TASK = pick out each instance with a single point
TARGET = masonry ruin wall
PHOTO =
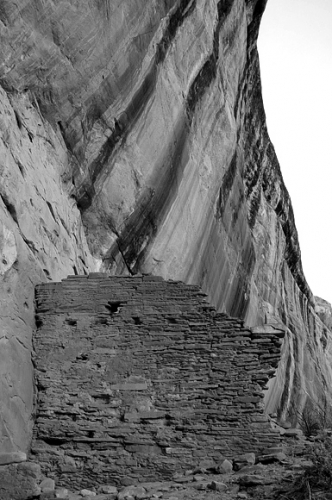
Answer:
(139, 378)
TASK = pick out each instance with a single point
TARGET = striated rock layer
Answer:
(133, 139)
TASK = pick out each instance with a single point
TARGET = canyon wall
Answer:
(133, 139)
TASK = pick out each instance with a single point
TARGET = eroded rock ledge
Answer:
(139, 378)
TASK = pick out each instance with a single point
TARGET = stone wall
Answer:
(139, 378)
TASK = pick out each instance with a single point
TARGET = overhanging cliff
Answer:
(133, 139)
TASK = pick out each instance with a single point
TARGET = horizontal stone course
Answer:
(140, 378)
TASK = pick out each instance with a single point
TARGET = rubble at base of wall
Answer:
(139, 378)
(19, 481)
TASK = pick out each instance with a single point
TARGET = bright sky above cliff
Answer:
(295, 48)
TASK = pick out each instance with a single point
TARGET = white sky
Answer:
(295, 48)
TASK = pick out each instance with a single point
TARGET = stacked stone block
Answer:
(139, 378)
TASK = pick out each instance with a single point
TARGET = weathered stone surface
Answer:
(272, 457)
(50, 495)
(12, 458)
(140, 378)
(217, 486)
(241, 461)
(106, 496)
(8, 249)
(242, 495)
(87, 493)
(47, 485)
(108, 489)
(324, 311)
(139, 127)
(225, 467)
(132, 491)
(292, 433)
(252, 480)
(41, 237)
(62, 493)
(19, 481)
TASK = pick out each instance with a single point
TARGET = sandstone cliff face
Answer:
(133, 139)
(41, 237)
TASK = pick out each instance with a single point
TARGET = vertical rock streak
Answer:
(142, 226)
(136, 106)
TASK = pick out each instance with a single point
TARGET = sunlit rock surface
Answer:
(133, 139)
(324, 311)
(41, 237)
